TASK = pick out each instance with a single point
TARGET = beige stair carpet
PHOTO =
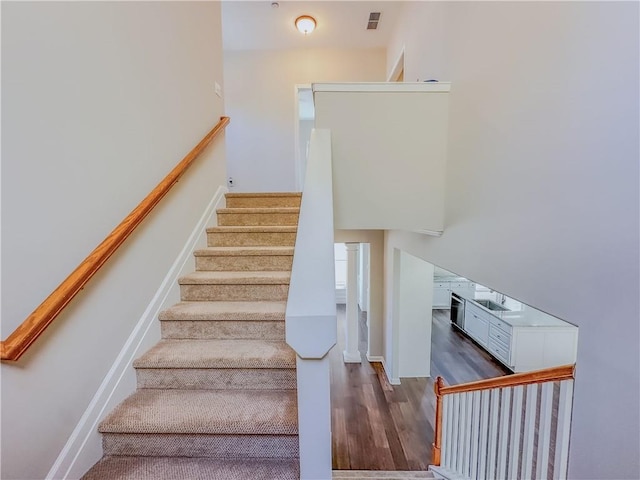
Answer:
(178, 468)
(216, 396)
(224, 320)
(380, 475)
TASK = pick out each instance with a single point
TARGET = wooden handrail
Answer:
(26, 333)
(554, 374)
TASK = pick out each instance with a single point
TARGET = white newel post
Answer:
(351, 354)
(311, 310)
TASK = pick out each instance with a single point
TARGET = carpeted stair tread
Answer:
(253, 229)
(218, 354)
(174, 468)
(196, 445)
(380, 475)
(268, 210)
(268, 311)
(236, 278)
(243, 251)
(241, 412)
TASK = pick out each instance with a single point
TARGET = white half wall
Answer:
(389, 153)
(261, 99)
(99, 101)
(542, 190)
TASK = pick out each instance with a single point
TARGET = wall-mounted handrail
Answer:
(554, 374)
(28, 331)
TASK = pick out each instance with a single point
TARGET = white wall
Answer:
(415, 299)
(419, 32)
(260, 98)
(542, 188)
(100, 101)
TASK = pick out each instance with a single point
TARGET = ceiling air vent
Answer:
(374, 18)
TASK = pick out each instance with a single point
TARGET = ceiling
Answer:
(255, 25)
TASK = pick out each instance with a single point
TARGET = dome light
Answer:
(305, 24)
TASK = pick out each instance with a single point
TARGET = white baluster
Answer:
(516, 420)
(462, 452)
(484, 430)
(445, 448)
(493, 434)
(504, 432)
(564, 426)
(475, 435)
(529, 431)
(468, 433)
(544, 430)
(455, 437)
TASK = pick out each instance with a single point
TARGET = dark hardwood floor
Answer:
(378, 426)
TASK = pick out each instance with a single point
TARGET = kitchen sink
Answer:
(491, 305)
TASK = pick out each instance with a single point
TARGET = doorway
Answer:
(397, 72)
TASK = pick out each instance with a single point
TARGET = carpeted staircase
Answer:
(216, 397)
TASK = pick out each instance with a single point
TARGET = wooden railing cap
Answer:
(553, 374)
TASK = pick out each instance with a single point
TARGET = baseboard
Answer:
(79, 452)
(392, 381)
(380, 359)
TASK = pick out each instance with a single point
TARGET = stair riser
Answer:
(209, 446)
(222, 329)
(256, 219)
(250, 239)
(217, 379)
(263, 202)
(234, 293)
(244, 263)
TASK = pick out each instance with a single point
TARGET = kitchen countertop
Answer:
(449, 278)
(527, 317)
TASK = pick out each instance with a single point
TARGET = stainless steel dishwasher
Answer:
(457, 310)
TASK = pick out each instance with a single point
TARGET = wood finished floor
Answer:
(378, 426)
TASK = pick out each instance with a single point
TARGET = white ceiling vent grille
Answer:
(374, 18)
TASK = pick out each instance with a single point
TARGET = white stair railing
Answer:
(311, 310)
(513, 427)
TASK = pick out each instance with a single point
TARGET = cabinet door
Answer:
(476, 325)
(441, 295)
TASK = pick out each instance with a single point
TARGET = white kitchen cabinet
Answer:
(442, 291)
(522, 341)
(476, 323)
(536, 347)
(466, 289)
(441, 295)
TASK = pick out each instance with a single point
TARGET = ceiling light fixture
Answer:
(305, 24)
